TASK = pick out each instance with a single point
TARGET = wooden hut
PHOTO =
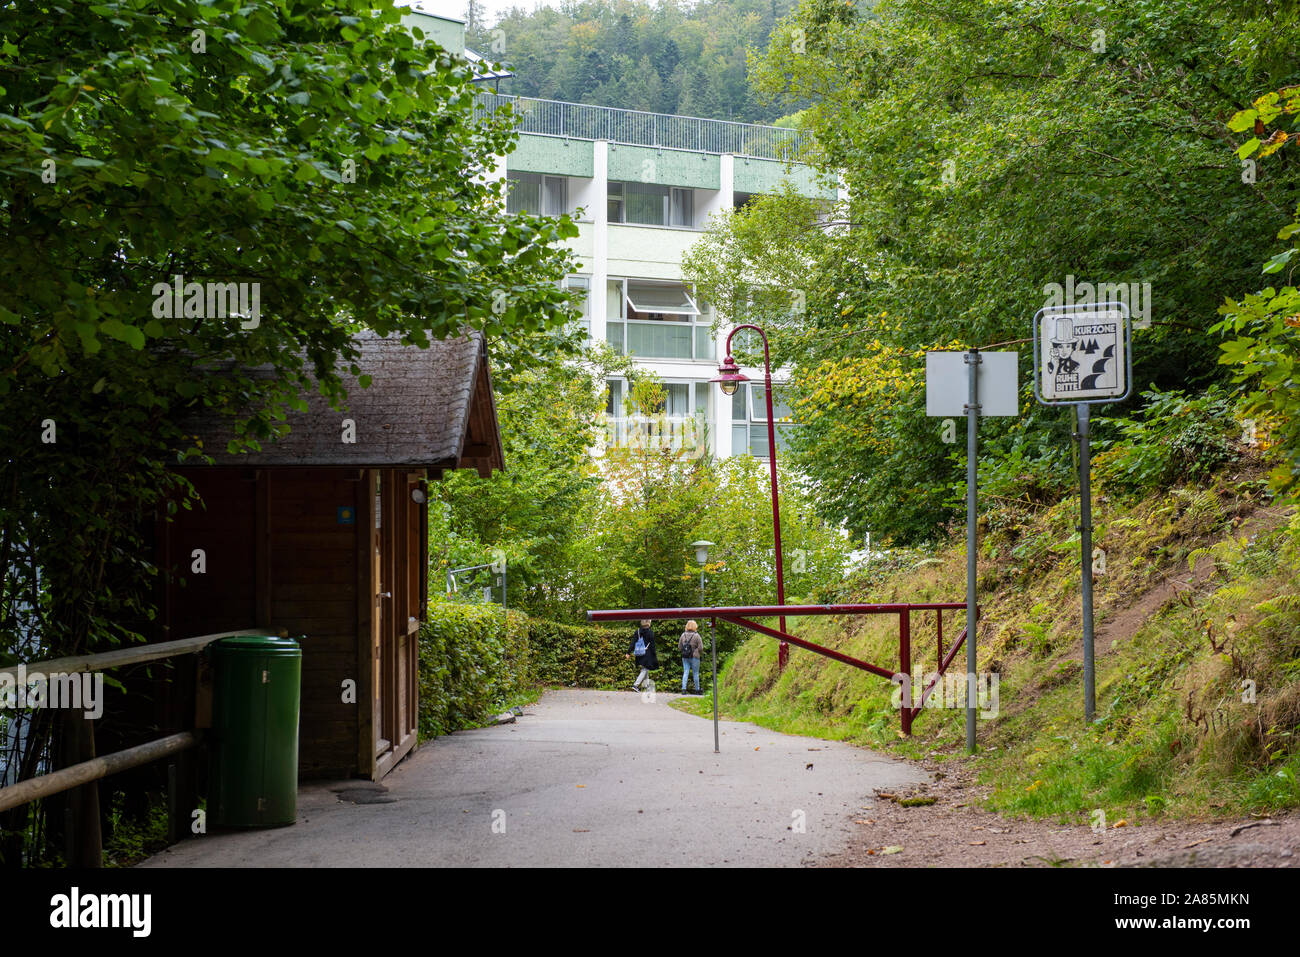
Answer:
(323, 535)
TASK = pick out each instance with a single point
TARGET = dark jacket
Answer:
(649, 660)
(696, 647)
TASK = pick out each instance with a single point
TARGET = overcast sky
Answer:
(492, 8)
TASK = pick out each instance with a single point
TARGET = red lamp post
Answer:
(729, 379)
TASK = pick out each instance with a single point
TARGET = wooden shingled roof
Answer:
(425, 408)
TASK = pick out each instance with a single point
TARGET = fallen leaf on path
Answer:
(892, 849)
(976, 843)
(1120, 823)
(581, 830)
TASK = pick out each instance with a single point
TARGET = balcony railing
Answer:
(660, 339)
(635, 128)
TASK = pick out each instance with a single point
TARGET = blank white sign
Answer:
(947, 388)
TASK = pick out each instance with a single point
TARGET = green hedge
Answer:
(474, 662)
(591, 656)
(588, 656)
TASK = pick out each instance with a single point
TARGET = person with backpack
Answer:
(643, 647)
(691, 646)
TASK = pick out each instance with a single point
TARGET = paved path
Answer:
(584, 778)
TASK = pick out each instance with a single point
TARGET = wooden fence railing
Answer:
(82, 831)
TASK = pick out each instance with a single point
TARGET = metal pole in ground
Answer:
(1085, 565)
(713, 642)
(972, 612)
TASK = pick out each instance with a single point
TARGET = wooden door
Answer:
(380, 619)
(398, 551)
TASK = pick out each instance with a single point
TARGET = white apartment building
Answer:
(642, 188)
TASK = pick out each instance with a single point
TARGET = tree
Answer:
(646, 511)
(315, 152)
(531, 514)
(1263, 328)
(597, 51)
(989, 151)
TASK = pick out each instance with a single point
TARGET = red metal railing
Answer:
(741, 615)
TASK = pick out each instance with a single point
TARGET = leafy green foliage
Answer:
(472, 658)
(315, 149)
(991, 150)
(579, 532)
(1177, 438)
(1198, 701)
(589, 656)
(1263, 328)
(530, 512)
(476, 660)
(659, 57)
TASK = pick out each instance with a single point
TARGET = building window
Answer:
(656, 319)
(680, 416)
(749, 420)
(646, 204)
(537, 194)
(582, 283)
(682, 211)
(647, 299)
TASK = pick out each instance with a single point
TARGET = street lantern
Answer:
(729, 378)
(701, 551)
(729, 375)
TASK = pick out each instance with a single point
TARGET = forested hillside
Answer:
(667, 57)
(998, 156)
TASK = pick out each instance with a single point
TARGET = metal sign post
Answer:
(991, 388)
(972, 611)
(1083, 354)
(713, 643)
(1085, 549)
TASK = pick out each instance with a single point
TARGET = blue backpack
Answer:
(640, 648)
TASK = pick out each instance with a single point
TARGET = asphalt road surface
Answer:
(584, 778)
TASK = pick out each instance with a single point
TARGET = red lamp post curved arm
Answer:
(784, 651)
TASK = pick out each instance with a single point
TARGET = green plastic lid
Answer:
(259, 644)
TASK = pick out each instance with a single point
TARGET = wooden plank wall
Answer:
(223, 598)
(313, 592)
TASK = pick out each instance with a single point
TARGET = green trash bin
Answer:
(254, 741)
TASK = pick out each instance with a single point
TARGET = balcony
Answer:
(656, 339)
(635, 128)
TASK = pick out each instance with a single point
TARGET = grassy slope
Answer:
(1175, 643)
